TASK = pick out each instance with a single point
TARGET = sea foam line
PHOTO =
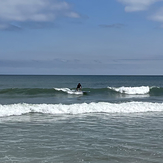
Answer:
(100, 107)
(132, 90)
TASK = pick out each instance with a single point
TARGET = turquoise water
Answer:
(118, 119)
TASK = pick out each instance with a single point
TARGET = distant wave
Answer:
(84, 108)
(37, 91)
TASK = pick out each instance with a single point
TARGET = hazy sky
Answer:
(104, 37)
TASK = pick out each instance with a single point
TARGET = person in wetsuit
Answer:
(78, 87)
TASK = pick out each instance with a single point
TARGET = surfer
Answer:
(78, 87)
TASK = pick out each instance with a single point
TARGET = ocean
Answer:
(114, 119)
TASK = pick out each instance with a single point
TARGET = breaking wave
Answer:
(132, 90)
(142, 90)
(84, 108)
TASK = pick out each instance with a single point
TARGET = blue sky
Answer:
(76, 37)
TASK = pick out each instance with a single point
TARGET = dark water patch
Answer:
(27, 91)
(156, 91)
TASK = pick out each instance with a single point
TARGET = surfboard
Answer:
(85, 92)
(82, 92)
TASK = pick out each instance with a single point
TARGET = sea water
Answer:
(115, 119)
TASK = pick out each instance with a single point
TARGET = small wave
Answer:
(132, 90)
(69, 91)
(101, 107)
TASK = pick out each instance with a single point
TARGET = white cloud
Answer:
(137, 5)
(33, 10)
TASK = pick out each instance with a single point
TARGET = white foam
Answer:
(101, 107)
(69, 91)
(132, 90)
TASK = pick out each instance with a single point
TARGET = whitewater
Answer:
(84, 108)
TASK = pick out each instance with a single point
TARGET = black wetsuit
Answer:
(78, 86)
